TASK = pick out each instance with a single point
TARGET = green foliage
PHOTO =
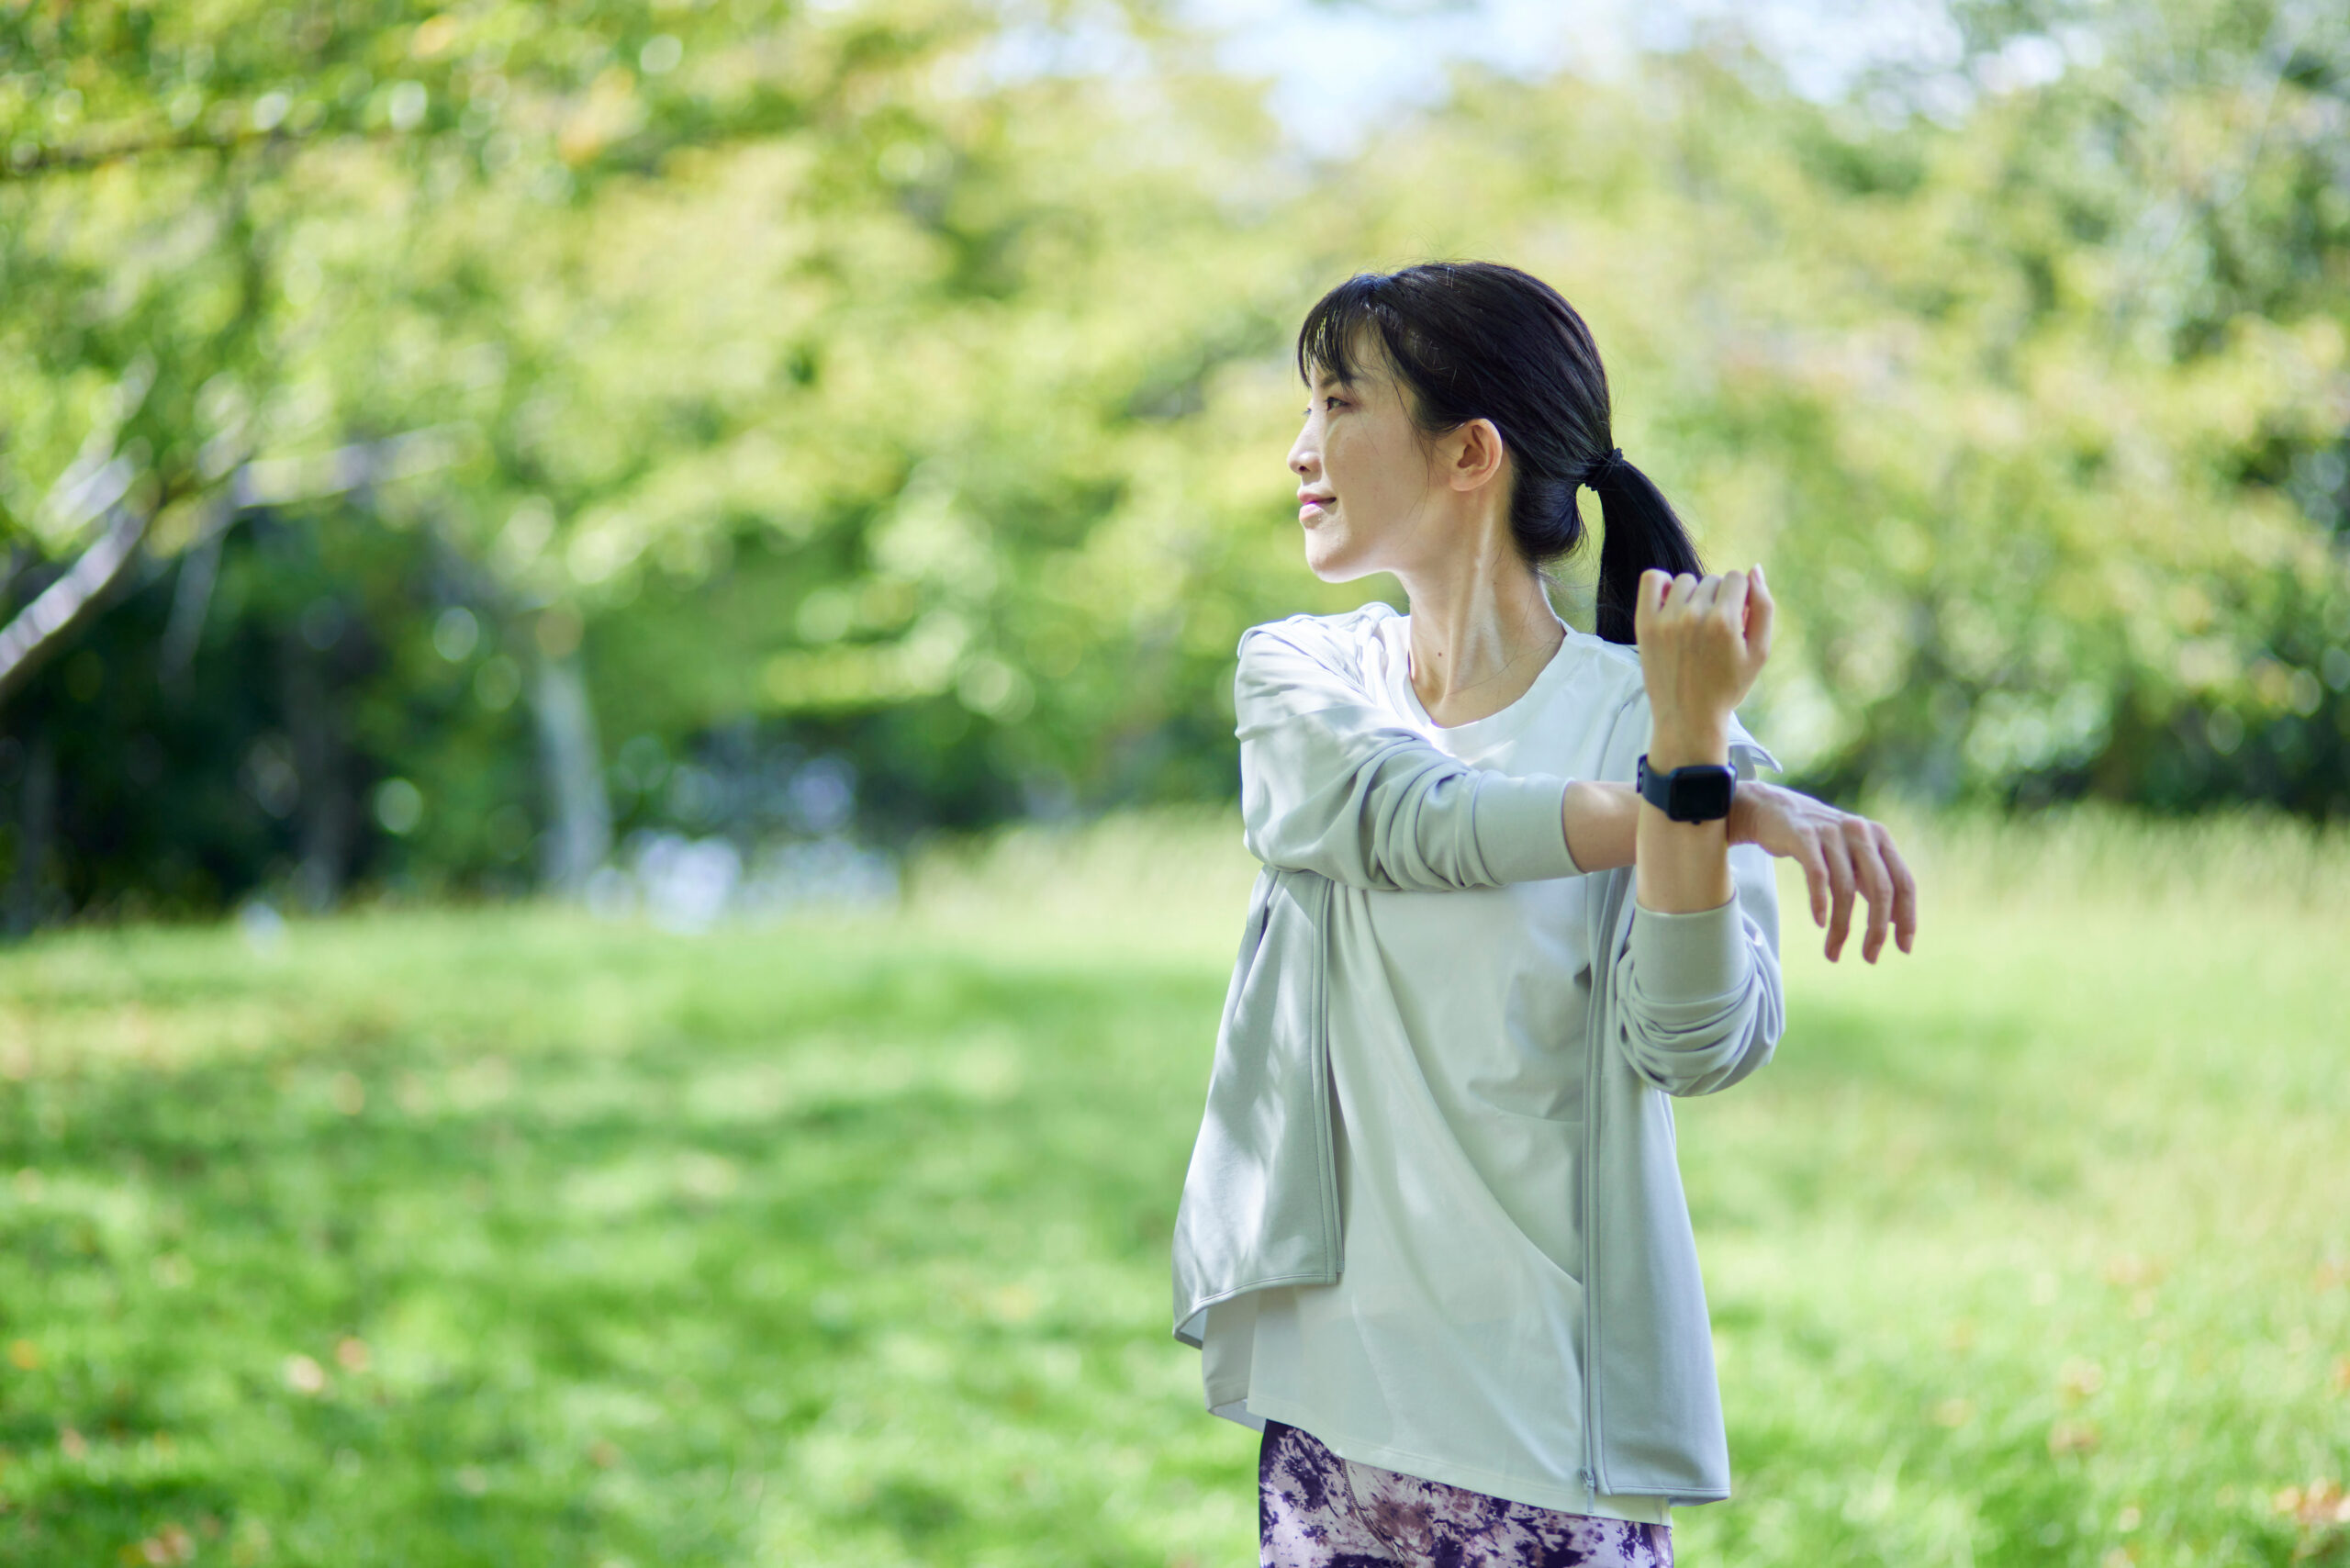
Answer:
(512, 1236)
(862, 378)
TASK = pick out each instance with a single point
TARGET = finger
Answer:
(1702, 591)
(1648, 598)
(1760, 613)
(1815, 876)
(1680, 590)
(1876, 884)
(1905, 891)
(1729, 596)
(1840, 881)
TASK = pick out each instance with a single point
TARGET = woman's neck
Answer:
(1482, 629)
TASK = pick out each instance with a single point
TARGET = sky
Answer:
(1335, 69)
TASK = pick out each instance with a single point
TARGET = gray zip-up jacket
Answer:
(1333, 790)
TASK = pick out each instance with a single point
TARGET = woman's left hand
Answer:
(1841, 854)
(1702, 642)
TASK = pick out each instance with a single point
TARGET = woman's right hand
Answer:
(1702, 641)
(1845, 859)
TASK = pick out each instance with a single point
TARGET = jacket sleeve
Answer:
(1330, 784)
(1699, 995)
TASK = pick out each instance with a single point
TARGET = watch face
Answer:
(1700, 794)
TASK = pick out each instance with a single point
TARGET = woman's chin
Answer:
(1329, 560)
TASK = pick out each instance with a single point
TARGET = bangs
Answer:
(1326, 341)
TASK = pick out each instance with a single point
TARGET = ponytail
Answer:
(1475, 339)
(1638, 531)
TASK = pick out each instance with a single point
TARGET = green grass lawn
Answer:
(510, 1237)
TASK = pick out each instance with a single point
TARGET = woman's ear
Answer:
(1474, 454)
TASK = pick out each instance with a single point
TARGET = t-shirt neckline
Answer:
(1501, 724)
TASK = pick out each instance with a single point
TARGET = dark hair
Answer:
(1476, 340)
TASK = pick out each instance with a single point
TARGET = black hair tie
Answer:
(1601, 470)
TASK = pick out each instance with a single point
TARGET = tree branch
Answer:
(97, 152)
(44, 625)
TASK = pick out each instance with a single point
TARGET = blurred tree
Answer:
(2053, 487)
(904, 384)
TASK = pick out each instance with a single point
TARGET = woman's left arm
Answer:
(1698, 1000)
(1698, 981)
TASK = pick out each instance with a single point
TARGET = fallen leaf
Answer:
(2318, 1503)
(2079, 1378)
(2072, 1436)
(303, 1375)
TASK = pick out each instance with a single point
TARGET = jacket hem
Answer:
(1568, 1497)
(1187, 1324)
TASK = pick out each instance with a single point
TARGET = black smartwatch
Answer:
(1698, 793)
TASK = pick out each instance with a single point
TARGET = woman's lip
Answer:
(1310, 507)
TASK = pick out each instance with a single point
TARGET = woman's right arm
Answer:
(1331, 783)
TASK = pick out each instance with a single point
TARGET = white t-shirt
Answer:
(1448, 1349)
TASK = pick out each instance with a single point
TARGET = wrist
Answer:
(1739, 825)
(1750, 811)
(1682, 742)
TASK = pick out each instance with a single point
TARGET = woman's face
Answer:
(1366, 476)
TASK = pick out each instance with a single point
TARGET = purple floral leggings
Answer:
(1316, 1510)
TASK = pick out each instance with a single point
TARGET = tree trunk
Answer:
(579, 834)
(36, 829)
(191, 599)
(323, 816)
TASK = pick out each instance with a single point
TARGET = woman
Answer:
(1433, 1239)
